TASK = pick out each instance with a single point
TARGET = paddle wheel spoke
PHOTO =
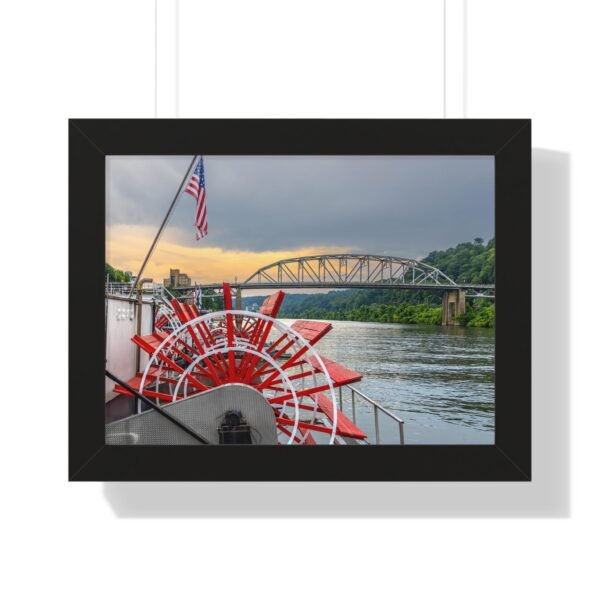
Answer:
(262, 331)
(277, 354)
(248, 361)
(287, 432)
(300, 393)
(305, 426)
(286, 365)
(298, 364)
(212, 367)
(309, 407)
(293, 377)
(160, 355)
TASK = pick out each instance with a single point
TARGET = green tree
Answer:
(115, 275)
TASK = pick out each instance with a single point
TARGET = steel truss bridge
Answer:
(330, 271)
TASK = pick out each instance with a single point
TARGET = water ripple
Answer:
(433, 377)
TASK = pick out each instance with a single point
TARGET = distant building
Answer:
(177, 279)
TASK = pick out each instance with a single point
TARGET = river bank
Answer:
(479, 314)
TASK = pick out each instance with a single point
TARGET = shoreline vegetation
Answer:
(479, 313)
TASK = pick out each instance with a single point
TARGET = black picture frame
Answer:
(508, 140)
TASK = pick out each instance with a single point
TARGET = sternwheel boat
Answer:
(238, 377)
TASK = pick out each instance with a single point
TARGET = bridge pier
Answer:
(453, 306)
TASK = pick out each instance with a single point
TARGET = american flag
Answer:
(198, 297)
(196, 188)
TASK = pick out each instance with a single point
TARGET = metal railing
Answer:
(377, 408)
(113, 288)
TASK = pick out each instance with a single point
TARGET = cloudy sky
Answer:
(263, 209)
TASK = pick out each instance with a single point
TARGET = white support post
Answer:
(166, 58)
(455, 59)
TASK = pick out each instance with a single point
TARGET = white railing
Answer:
(377, 408)
(113, 288)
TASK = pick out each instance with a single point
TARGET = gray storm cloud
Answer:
(403, 206)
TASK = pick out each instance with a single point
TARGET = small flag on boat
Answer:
(198, 297)
(196, 188)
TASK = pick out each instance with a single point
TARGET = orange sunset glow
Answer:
(126, 246)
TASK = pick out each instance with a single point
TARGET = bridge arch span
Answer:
(349, 270)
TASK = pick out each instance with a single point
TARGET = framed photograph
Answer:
(300, 300)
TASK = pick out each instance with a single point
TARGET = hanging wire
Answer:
(155, 59)
(177, 59)
(444, 34)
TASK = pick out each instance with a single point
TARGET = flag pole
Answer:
(138, 278)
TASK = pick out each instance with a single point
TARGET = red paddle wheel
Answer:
(191, 354)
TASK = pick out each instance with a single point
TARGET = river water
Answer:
(440, 380)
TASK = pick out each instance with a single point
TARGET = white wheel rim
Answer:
(244, 346)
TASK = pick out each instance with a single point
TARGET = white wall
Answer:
(121, 325)
(380, 58)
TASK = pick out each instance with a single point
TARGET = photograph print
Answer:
(300, 300)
